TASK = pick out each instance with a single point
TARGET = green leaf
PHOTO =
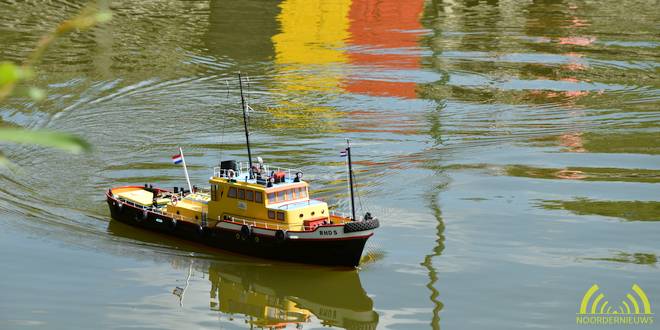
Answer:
(64, 141)
(9, 73)
(87, 18)
(36, 93)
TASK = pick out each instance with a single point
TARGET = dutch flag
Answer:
(343, 153)
(177, 159)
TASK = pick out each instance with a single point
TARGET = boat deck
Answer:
(195, 203)
(243, 175)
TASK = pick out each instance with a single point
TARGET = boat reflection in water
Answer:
(269, 295)
(291, 295)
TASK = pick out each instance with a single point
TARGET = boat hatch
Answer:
(137, 196)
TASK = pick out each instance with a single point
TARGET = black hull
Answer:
(329, 252)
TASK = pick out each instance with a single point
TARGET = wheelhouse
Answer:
(277, 200)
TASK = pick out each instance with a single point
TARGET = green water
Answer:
(509, 148)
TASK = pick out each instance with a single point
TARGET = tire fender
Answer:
(246, 232)
(281, 235)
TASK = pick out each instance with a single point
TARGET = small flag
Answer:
(343, 153)
(177, 159)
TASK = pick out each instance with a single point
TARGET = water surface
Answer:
(510, 149)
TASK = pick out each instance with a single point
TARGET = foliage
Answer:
(45, 138)
(12, 75)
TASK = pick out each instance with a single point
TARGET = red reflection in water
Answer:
(577, 41)
(382, 88)
(572, 72)
(575, 65)
(383, 31)
(572, 141)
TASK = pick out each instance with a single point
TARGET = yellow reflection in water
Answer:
(309, 55)
(312, 32)
(278, 296)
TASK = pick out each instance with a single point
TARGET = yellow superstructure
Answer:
(283, 206)
(193, 207)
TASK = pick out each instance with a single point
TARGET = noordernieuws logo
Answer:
(635, 309)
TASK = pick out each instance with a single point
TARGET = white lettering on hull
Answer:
(320, 233)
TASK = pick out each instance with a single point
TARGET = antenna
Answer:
(224, 122)
(350, 176)
(248, 93)
(245, 124)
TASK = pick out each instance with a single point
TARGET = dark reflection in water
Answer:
(433, 201)
(626, 210)
(585, 173)
(631, 258)
(268, 294)
(637, 143)
(229, 24)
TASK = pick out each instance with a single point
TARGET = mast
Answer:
(350, 177)
(247, 133)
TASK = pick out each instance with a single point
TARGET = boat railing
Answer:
(267, 225)
(267, 170)
(245, 221)
(339, 215)
(221, 172)
(150, 209)
(244, 168)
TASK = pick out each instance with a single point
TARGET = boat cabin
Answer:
(273, 199)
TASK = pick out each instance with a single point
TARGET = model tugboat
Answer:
(252, 209)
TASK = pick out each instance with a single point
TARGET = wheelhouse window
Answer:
(271, 214)
(218, 192)
(280, 216)
(258, 197)
(241, 194)
(232, 192)
(249, 195)
(286, 195)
